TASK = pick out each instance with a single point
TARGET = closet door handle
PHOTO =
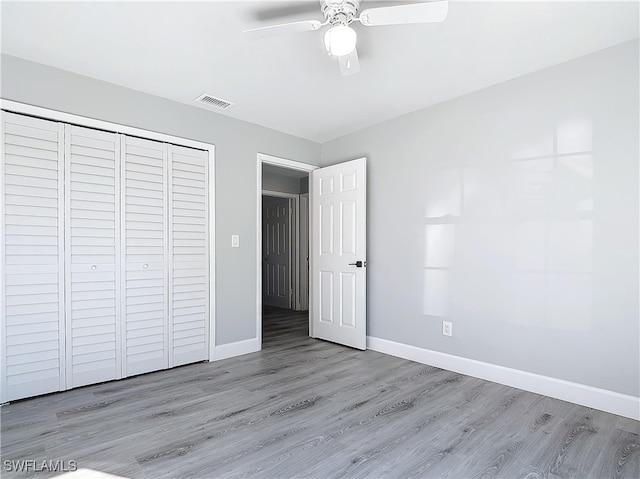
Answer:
(94, 267)
(145, 266)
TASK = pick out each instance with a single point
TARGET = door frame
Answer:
(261, 159)
(303, 234)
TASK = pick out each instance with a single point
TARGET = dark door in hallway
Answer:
(276, 251)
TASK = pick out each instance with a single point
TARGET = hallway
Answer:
(283, 326)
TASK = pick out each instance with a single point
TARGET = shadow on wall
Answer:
(512, 240)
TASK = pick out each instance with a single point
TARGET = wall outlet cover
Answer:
(447, 328)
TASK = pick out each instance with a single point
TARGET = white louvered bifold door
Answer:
(189, 261)
(32, 277)
(92, 165)
(145, 258)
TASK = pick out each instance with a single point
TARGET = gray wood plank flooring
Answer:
(308, 408)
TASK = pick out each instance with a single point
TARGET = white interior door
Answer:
(32, 254)
(145, 244)
(339, 253)
(276, 253)
(92, 166)
(189, 259)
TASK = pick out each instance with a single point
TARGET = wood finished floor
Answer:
(308, 408)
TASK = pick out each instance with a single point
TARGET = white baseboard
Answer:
(230, 350)
(602, 399)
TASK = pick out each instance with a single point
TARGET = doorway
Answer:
(283, 255)
(337, 241)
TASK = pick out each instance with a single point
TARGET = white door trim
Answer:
(3, 336)
(212, 254)
(283, 162)
(303, 266)
(280, 194)
(276, 161)
(46, 113)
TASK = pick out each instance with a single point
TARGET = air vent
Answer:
(213, 102)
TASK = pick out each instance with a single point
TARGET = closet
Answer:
(105, 256)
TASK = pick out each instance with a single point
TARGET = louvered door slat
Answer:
(31, 251)
(92, 255)
(144, 248)
(189, 300)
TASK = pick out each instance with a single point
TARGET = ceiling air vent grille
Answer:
(213, 102)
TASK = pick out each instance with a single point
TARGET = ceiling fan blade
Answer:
(349, 64)
(284, 28)
(429, 12)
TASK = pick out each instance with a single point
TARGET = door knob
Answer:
(358, 264)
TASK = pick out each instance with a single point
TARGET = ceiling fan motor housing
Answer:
(340, 11)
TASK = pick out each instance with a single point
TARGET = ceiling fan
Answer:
(340, 39)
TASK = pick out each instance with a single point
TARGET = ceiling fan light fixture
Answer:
(340, 40)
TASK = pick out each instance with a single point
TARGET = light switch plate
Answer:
(235, 241)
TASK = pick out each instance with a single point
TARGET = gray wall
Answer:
(280, 183)
(237, 144)
(304, 185)
(513, 212)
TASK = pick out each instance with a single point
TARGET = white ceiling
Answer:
(179, 50)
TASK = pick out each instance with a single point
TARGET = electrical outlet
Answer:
(235, 241)
(447, 328)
